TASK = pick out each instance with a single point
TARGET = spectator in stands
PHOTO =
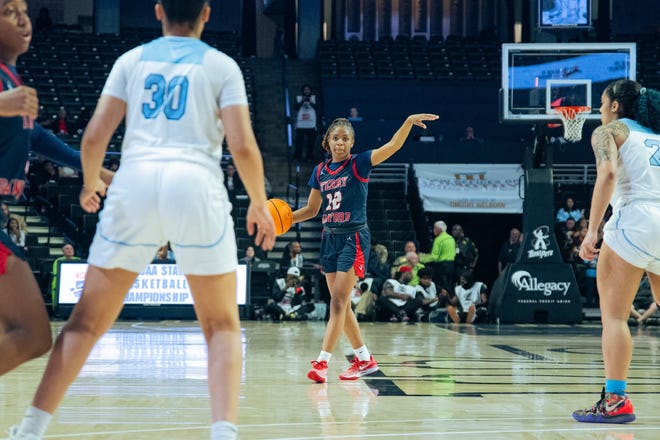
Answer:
(59, 125)
(234, 187)
(354, 115)
(292, 256)
(378, 268)
(45, 174)
(412, 258)
(306, 125)
(164, 255)
(250, 257)
(467, 253)
(644, 305)
(469, 297)
(363, 301)
(289, 299)
(469, 137)
(584, 223)
(575, 245)
(4, 215)
(401, 260)
(68, 254)
(569, 210)
(15, 232)
(564, 233)
(232, 180)
(643, 314)
(441, 258)
(43, 23)
(431, 300)
(398, 301)
(509, 250)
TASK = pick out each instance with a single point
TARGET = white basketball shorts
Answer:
(151, 203)
(633, 233)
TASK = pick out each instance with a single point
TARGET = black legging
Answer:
(387, 309)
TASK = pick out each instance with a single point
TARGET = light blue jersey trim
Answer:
(203, 246)
(174, 50)
(636, 126)
(637, 247)
(194, 246)
(124, 243)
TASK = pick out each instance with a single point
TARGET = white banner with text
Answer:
(159, 284)
(481, 188)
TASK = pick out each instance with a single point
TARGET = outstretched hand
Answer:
(420, 117)
(260, 218)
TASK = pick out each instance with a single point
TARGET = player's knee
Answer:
(338, 304)
(211, 326)
(36, 339)
(85, 327)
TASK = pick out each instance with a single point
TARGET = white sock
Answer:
(35, 422)
(324, 356)
(362, 353)
(223, 430)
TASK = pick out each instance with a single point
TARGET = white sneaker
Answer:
(14, 435)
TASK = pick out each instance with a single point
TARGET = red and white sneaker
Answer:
(319, 372)
(360, 368)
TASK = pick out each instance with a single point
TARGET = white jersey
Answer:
(173, 88)
(429, 292)
(397, 287)
(469, 296)
(638, 170)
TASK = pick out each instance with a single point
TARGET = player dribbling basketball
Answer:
(339, 186)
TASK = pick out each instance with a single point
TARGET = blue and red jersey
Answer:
(343, 187)
(14, 141)
(18, 135)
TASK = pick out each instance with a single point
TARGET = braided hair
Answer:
(636, 102)
(339, 122)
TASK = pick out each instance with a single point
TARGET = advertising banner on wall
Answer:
(536, 293)
(158, 285)
(481, 188)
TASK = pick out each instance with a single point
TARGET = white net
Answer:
(573, 119)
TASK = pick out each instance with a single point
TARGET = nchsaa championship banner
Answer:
(483, 188)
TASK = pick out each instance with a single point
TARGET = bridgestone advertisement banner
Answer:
(481, 188)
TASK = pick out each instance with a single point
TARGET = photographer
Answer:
(306, 125)
(289, 300)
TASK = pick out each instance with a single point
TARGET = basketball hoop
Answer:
(573, 117)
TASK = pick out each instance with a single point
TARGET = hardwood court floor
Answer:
(146, 380)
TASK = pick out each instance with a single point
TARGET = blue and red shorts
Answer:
(342, 250)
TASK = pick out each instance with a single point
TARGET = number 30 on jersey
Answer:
(170, 97)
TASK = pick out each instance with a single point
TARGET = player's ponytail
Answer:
(648, 109)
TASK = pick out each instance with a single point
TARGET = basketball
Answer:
(282, 215)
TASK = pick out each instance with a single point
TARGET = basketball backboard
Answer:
(539, 77)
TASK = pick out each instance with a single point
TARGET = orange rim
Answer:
(571, 111)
